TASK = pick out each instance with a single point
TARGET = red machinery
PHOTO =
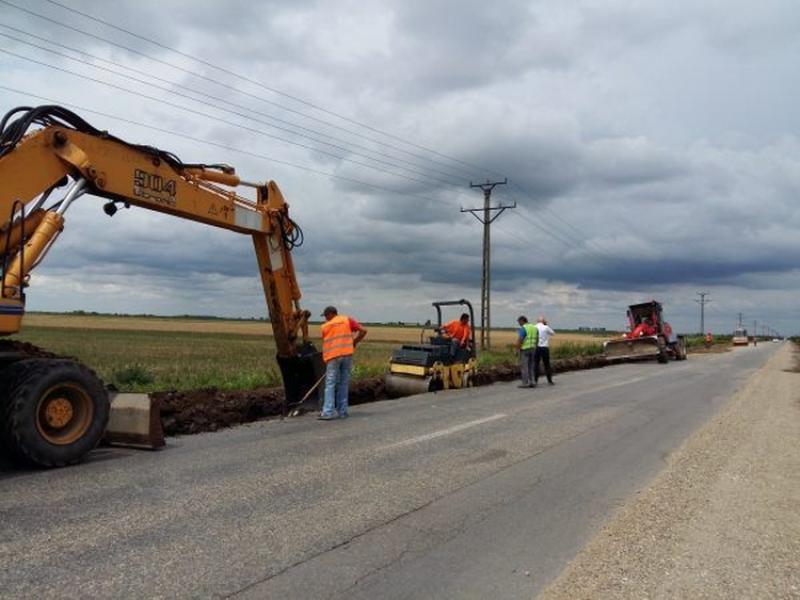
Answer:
(649, 336)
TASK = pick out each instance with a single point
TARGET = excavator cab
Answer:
(433, 366)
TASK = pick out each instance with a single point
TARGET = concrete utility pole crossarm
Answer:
(490, 213)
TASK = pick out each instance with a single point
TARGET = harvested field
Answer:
(377, 333)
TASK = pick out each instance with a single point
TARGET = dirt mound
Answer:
(211, 409)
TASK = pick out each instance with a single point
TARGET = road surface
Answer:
(478, 493)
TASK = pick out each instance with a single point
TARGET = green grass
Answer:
(700, 340)
(146, 361)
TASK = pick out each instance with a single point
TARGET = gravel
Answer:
(722, 519)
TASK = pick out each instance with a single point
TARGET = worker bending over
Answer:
(340, 336)
(459, 332)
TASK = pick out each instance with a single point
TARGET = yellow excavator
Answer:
(53, 410)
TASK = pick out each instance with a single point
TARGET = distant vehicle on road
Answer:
(740, 337)
(776, 339)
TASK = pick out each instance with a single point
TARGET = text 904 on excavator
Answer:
(54, 410)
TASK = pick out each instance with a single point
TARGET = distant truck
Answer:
(650, 336)
(740, 337)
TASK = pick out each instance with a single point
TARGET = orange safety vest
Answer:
(337, 338)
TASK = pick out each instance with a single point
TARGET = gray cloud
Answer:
(651, 149)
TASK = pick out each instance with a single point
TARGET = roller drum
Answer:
(398, 386)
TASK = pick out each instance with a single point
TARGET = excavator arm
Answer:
(65, 152)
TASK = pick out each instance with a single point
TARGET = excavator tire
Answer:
(52, 411)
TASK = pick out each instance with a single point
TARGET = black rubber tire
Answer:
(22, 384)
(662, 355)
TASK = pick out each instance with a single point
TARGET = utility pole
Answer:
(490, 213)
(740, 320)
(755, 328)
(702, 302)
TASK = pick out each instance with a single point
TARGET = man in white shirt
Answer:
(543, 351)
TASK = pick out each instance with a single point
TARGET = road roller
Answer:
(435, 365)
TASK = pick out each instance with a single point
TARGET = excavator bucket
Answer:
(134, 421)
(302, 378)
(633, 349)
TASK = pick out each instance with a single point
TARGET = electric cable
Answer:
(208, 116)
(222, 146)
(247, 79)
(234, 89)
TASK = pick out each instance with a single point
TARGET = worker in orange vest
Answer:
(709, 340)
(459, 332)
(340, 336)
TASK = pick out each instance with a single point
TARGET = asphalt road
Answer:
(478, 493)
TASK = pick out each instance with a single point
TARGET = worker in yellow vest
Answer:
(340, 336)
(527, 339)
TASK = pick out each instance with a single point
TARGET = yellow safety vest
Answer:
(531, 337)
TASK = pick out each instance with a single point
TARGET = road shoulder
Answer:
(721, 520)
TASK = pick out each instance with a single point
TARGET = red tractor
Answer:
(649, 336)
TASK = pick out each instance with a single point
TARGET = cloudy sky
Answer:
(652, 149)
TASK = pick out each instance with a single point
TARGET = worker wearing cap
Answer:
(459, 332)
(340, 336)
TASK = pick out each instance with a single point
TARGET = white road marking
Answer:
(443, 432)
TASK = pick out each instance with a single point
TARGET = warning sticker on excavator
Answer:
(275, 255)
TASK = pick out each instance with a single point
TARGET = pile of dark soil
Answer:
(24, 350)
(212, 409)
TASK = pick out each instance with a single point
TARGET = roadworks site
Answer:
(209, 410)
(187, 412)
(199, 411)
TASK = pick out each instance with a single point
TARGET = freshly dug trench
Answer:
(211, 409)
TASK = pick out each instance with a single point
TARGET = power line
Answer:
(218, 107)
(219, 145)
(236, 75)
(222, 108)
(149, 82)
(255, 82)
(209, 116)
(274, 90)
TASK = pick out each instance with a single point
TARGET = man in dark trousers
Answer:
(527, 338)
(543, 351)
